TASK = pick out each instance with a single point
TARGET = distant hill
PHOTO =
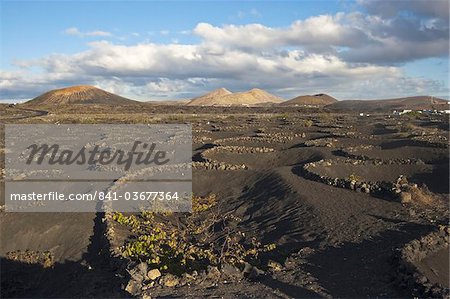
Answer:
(320, 99)
(210, 98)
(81, 94)
(224, 97)
(168, 102)
(413, 103)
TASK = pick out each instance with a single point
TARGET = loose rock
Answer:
(153, 274)
(169, 280)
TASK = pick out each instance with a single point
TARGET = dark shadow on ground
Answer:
(94, 277)
(206, 146)
(364, 269)
(436, 181)
(63, 280)
(380, 129)
(404, 142)
(385, 219)
(287, 289)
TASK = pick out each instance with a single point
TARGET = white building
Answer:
(395, 112)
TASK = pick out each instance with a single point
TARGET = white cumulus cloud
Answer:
(349, 55)
(95, 33)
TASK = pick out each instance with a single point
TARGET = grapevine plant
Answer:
(183, 242)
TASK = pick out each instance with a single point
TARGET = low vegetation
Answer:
(354, 177)
(181, 243)
(308, 123)
(45, 258)
(412, 114)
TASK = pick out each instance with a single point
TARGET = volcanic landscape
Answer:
(293, 199)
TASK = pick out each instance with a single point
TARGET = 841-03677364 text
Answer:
(102, 196)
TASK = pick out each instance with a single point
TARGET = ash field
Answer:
(289, 202)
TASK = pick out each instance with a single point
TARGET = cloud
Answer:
(357, 37)
(397, 40)
(96, 33)
(350, 55)
(241, 14)
(151, 70)
(24, 84)
(73, 31)
(424, 8)
(186, 61)
(324, 31)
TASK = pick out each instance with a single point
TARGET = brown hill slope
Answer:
(209, 98)
(223, 97)
(81, 94)
(320, 99)
(414, 103)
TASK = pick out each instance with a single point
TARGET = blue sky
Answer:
(48, 20)
(150, 50)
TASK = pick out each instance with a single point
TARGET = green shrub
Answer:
(308, 123)
(180, 243)
(354, 177)
(412, 114)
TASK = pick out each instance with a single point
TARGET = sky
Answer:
(168, 50)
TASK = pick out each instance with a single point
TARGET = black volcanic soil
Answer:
(435, 267)
(415, 103)
(331, 242)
